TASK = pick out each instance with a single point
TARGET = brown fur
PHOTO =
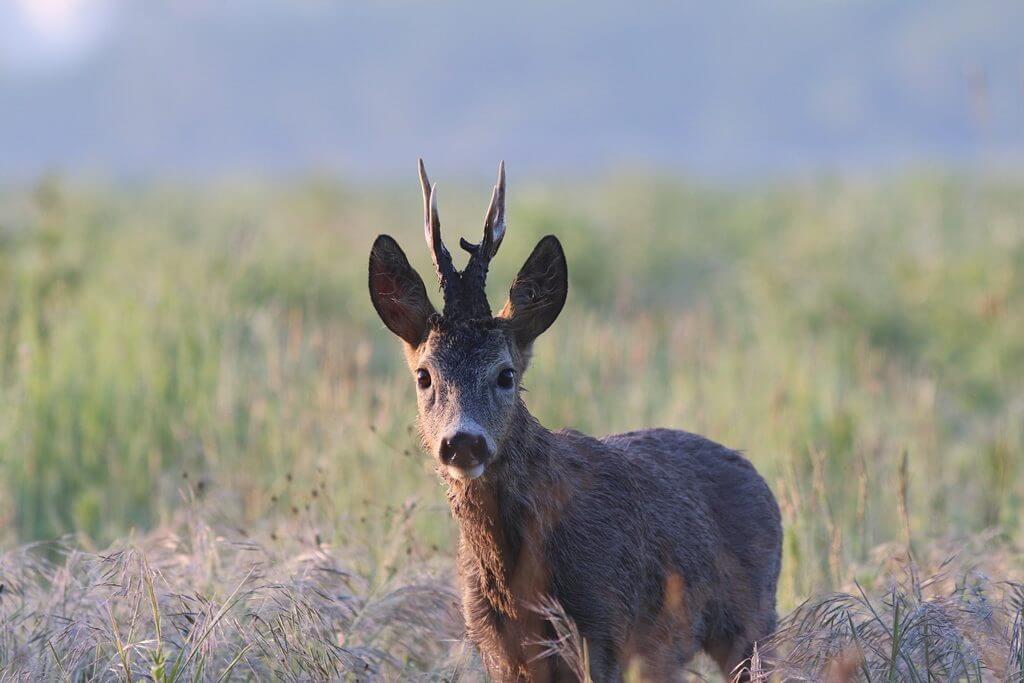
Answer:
(656, 543)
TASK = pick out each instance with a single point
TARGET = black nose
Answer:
(464, 450)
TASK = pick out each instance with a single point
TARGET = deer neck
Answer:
(504, 517)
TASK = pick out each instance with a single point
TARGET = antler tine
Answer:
(495, 221)
(446, 274)
(425, 186)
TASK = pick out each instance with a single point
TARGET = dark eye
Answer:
(423, 379)
(507, 378)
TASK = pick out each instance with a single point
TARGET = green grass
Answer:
(158, 342)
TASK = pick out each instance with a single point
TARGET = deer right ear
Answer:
(398, 293)
(538, 293)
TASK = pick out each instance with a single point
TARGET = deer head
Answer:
(467, 364)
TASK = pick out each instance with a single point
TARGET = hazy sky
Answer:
(153, 88)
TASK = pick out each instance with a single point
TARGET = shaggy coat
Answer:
(656, 543)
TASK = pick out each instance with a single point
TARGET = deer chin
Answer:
(467, 474)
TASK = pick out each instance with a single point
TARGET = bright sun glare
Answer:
(52, 31)
(53, 18)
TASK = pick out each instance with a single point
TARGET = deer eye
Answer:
(507, 378)
(422, 379)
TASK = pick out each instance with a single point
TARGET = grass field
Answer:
(192, 372)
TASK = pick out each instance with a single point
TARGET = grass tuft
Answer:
(194, 603)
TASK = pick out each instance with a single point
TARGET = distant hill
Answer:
(361, 88)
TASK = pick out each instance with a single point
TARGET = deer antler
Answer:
(464, 293)
(480, 255)
(447, 276)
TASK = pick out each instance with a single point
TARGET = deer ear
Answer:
(398, 293)
(538, 292)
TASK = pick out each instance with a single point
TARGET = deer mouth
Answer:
(466, 473)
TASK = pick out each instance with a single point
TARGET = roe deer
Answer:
(657, 543)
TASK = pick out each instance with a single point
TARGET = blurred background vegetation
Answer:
(795, 227)
(861, 340)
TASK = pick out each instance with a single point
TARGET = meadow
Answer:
(208, 466)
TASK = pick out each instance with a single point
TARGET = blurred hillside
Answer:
(724, 89)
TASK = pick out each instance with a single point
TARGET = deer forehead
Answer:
(466, 351)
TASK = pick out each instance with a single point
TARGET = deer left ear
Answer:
(538, 292)
(398, 293)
